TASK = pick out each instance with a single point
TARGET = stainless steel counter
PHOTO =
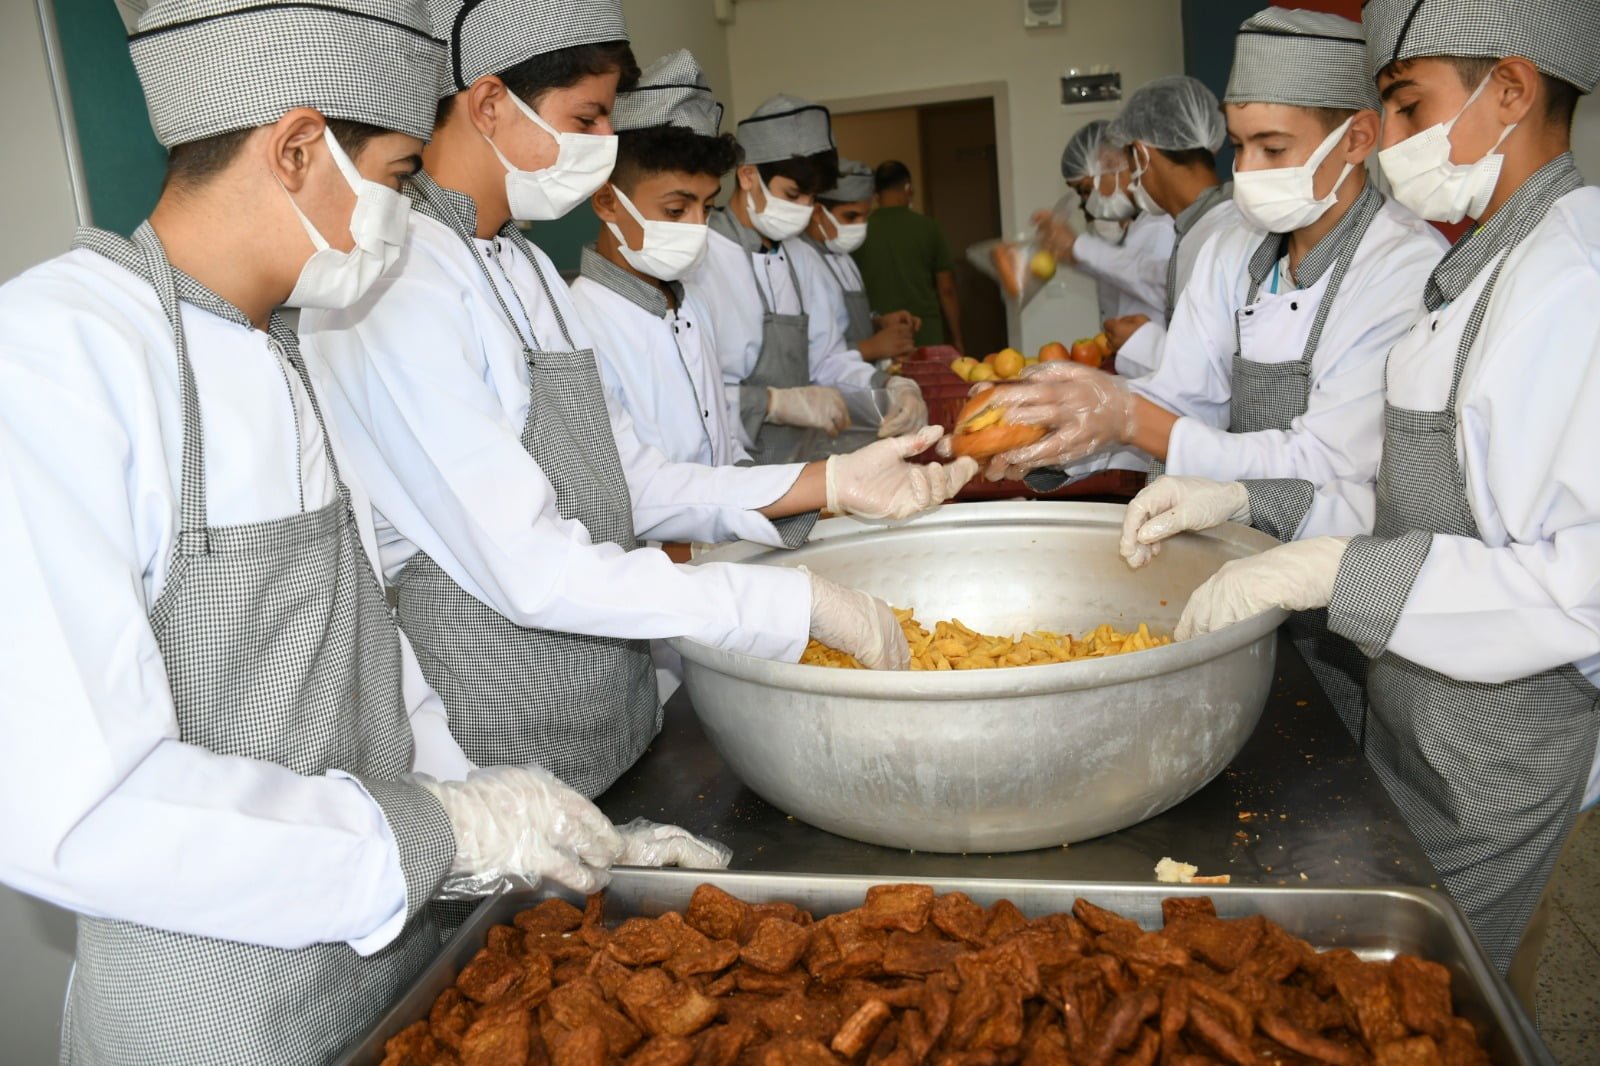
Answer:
(1297, 806)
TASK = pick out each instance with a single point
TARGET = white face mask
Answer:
(583, 164)
(671, 249)
(1108, 229)
(333, 279)
(1136, 188)
(1115, 207)
(1423, 178)
(1284, 199)
(847, 238)
(780, 219)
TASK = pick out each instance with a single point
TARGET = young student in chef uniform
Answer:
(1171, 130)
(1124, 250)
(513, 492)
(838, 227)
(1475, 594)
(784, 358)
(214, 734)
(1279, 340)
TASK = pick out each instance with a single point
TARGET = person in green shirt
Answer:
(906, 261)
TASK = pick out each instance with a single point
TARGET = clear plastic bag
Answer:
(1016, 263)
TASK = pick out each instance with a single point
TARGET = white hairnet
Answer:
(1175, 114)
(1081, 158)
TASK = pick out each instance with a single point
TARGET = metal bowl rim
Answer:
(980, 684)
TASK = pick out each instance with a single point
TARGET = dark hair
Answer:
(890, 174)
(671, 149)
(531, 79)
(1560, 97)
(1191, 157)
(194, 163)
(1332, 118)
(814, 174)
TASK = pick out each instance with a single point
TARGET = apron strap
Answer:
(1469, 336)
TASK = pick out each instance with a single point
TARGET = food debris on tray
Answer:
(1172, 872)
(914, 977)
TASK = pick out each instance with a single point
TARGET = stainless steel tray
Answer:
(1376, 923)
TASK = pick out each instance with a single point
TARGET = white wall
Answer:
(661, 26)
(36, 210)
(848, 51)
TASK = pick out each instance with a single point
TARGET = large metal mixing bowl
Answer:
(994, 760)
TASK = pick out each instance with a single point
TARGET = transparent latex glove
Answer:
(878, 482)
(519, 825)
(907, 410)
(809, 407)
(1056, 235)
(1085, 411)
(1173, 505)
(647, 843)
(1297, 576)
(858, 624)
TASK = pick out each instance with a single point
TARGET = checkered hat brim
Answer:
(1302, 58)
(785, 128)
(1561, 37)
(215, 66)
(855, 184)
(492, 36)
(672, 91)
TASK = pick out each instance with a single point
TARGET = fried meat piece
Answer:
(899, 995)
(694, 952)
(761, 983)
(957, 916)
(859, 950)
(1143, 1052)
(758, 912)
(715, 913)
(549, 916)
(1423, 991)
(641, 942)
(452, 1014)
(1369, 997)
(412, 1046)
(506, 940)
(490, 977)
(859, 1031)
(776, 945)
(796, 1051)
(798, 1015)
(664, 1007)
(1412, 1051)
(1176, 907)
(1216, 1033)
(1102, 921)
(721, 1045)
(987, 1013)
(1004, 920)
(1147, 954)
(580, 1047)
(500, 1036)
(903, 907)
(1120, 1023)
(581, 1004)
(663, 1051)
(1312, 1045)
(1222, 945)
(1460, 1045)
(919, 954)
(608, 973)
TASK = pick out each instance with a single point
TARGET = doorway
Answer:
(950, 149)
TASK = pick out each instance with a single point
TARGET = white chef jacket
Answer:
(1339, 438)
(426, 384)
(1143, 352)
(724, 281)
(1523, 596)
(663, 370)
(111, 815)
(1134, 271)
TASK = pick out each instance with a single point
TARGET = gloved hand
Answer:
(647, 843)
(1297, 576)
(907, 409)
(1056, 235)
(893, 340)
(1173, 505)
(911, 321)
(857, 624)
(1086, 411)
(877, 482)
(809, 407)
(519, 825)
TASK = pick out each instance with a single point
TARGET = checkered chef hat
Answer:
(854, 186)
(1303, 58)
(1560, 37)
(672, 91)
(492, 36)
(785, 128)
(215, 66)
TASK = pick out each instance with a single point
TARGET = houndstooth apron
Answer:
(784, 362)
(278, 646)
(1270, 396)
(583, 707)
(858, 308)
(1488, 776)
